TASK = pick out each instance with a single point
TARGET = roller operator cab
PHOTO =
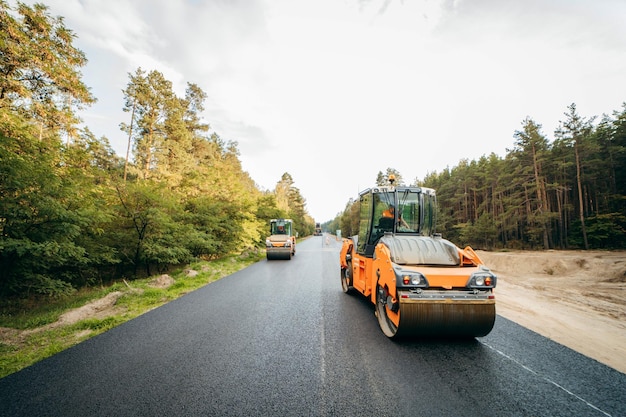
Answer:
(420, 283)
(281, 243)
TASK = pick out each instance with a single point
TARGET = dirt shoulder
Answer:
(576, 298)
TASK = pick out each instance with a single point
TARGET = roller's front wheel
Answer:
(346, 279)
(388, 313)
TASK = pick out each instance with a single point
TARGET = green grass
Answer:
(31, 313)
(37, 342)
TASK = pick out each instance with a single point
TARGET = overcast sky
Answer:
(334, 91)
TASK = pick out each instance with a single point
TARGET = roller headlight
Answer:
(412, 279)
(482, 279)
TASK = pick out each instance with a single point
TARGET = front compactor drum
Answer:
(450, 318)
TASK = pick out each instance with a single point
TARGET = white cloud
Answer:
(335, 91)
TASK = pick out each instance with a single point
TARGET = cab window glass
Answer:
(364, 223)
(409, 212)
(429, 206)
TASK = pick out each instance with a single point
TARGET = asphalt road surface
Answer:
(280, 338)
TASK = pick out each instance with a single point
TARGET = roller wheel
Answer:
(346, 279)
(383, 311)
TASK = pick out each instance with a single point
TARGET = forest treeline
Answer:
(564, 193)
(73, 213)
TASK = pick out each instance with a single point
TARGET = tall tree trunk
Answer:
(560, 227)
(147, 162)
(130, 135)
(540, 197)
(581, 210)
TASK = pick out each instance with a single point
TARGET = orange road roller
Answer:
(420, 283)
(281, 243)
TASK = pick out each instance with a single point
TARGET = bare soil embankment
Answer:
(576, 298)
